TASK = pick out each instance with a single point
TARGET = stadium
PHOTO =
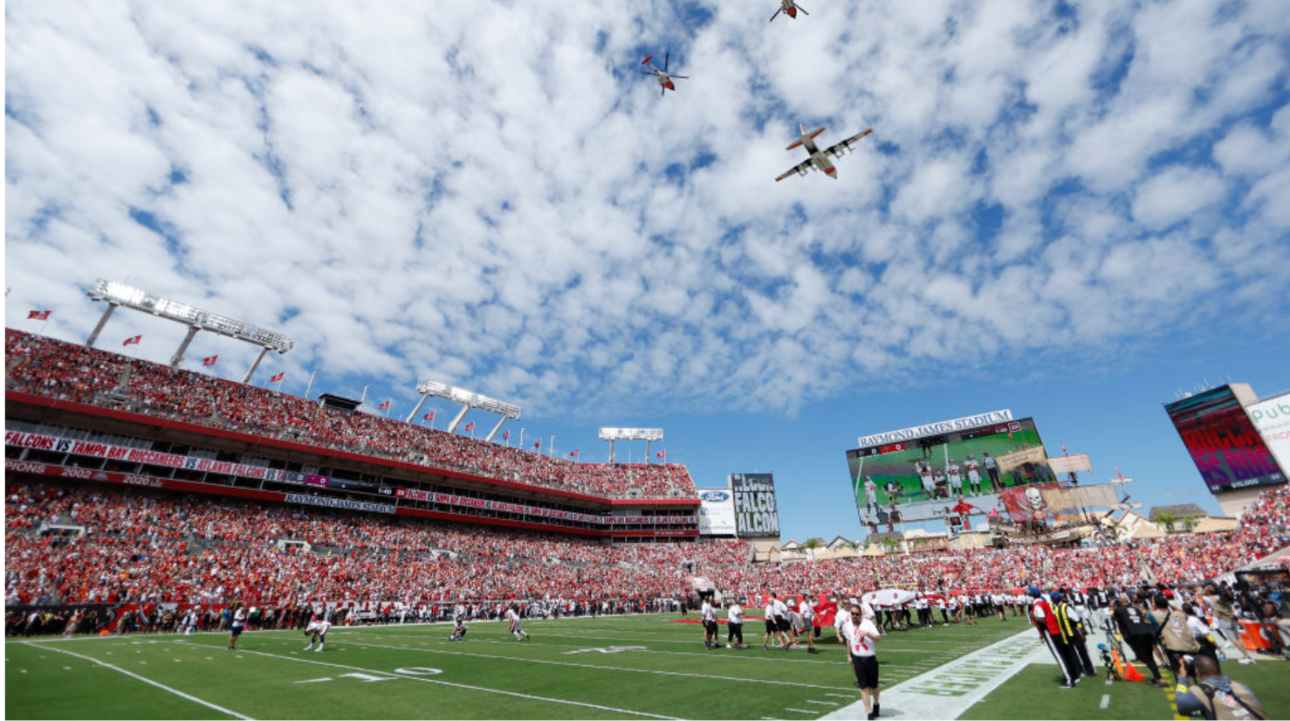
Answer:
(301, 296)
(145, 505)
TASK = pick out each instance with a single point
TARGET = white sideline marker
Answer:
(1106, 700)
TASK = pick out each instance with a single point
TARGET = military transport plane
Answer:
(789, 8)
(664, 80)
(819, 159)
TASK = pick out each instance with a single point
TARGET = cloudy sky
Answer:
(1074, 209)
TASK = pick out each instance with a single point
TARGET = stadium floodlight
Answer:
(468, 400)
(631, 434)
(119, 294)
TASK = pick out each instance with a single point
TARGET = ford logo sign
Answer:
(714, 496)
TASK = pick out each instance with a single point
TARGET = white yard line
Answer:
(148, 681)
(520, 659)
(949, 690)
(436, 682)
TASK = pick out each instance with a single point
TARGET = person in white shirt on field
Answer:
(774, 629)
(807, 614)
(238, 624)
(317, 633)
(513, 624)
(709, 616)
(735, 626)
(863, 648)
(952, 472)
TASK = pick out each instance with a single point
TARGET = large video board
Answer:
(921, 475)
(1223, 442)
(756, 512)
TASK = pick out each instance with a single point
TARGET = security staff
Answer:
(1045, 621)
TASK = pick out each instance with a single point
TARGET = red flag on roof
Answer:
(278, 377)
(38, 314)
(537, 444)
(506, 435)
(661, 454)
(575, 453)
(132, 340)
(470, 426)
(383, 406)
(428, 417)
(210, 360)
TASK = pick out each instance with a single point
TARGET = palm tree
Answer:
(811, 546)
(890, 545)
(1190, 523)
(1167, 519)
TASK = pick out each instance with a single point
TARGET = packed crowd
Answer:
(67, 371)
(143, 546)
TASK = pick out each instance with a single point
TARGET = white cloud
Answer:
(493, 194)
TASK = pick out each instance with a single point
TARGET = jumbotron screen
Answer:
(937, 469)
(1224, 444)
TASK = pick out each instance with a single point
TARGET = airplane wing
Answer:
(800, 169)
(850, 143)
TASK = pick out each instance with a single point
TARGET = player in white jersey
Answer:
(973, 474)
(870, 493)
(513, 624)
(735, 626)
(952, 472)
(862, 646)
(929, 485)
(317, 633)
(190, 621)
(458, 624)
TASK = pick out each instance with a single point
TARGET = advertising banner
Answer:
(716, 512)
(1272, 418)
(756, 512)
(917, 476)
(1223, 442)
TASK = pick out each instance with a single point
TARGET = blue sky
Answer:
(1071, 209)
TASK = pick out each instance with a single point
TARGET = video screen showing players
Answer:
(940, 468)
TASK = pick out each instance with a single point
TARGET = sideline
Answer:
(135, 676)
(947, 691)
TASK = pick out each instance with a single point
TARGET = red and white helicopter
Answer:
(819, 159)
(664, 80)
(789, 8)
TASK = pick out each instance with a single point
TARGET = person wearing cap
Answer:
(1070, 616)
(1050, 632)
(1216, 696)
(863, 648)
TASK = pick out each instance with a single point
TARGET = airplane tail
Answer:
(805, 137)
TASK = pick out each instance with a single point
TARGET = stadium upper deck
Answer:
(41, 369)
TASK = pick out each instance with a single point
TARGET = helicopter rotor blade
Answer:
(683, 77)
(666, 57)
(777, 12)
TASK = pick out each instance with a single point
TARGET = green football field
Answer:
(620, 667)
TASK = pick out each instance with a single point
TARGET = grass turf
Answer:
(1033, 693)
(621, 667)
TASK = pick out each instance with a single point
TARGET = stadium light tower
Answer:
(119, 294)
(468, 400)
(631, 434)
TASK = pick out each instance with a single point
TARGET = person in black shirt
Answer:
(1139, 635)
